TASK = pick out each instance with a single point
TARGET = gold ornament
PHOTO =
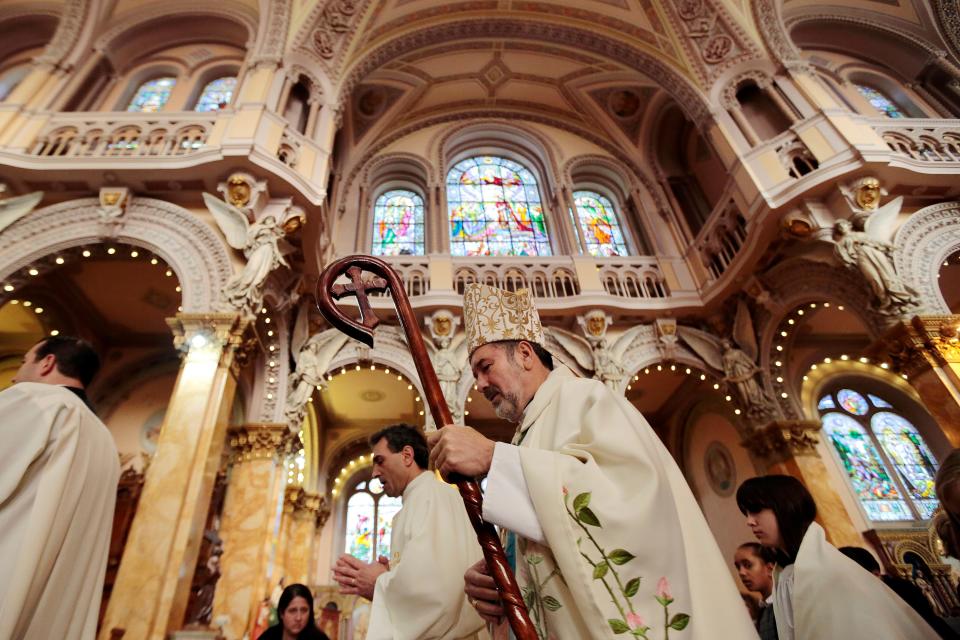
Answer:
(494, 315)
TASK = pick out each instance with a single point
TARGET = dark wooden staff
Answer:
(386, 279)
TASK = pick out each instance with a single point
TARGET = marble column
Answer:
(248, 526)
(789, 448)
(152, 588)
(927, 350)
(301, 515)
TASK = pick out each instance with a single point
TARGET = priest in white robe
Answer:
(609, 539)
(418, 593)
(58, 484)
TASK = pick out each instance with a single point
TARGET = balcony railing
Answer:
(926, 140)
(112, 135)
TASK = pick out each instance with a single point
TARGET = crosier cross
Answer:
(359, 287)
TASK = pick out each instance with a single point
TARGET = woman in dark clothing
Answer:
(295, 611)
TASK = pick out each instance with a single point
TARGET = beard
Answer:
(508, 408)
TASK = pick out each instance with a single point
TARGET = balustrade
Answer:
(117, 135)
(926, 140)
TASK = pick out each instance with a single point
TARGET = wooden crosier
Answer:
(386, 279)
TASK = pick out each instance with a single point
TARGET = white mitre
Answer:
(494, 315)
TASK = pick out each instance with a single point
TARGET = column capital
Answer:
(214, 331)
(301, 503)
(259, 441)
(782, 439)
(923, 343)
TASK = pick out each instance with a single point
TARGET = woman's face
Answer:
(755, 574)
(296, 616)
(763, 523)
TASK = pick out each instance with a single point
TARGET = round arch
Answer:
(923, 242)
(191, 248)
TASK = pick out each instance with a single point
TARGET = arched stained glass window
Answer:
(217, 94)
(495, 209)
(910, 456)
(880, 101)
(890, 467)
(369, 521)
(600, 225)
(398, 224)
(152, 95)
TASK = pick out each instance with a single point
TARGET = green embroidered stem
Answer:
(613, 598)
(541, 611)
(603, 554)
(666, 622)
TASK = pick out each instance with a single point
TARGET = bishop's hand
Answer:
(482, 593)
(460, 449)
(356, 577)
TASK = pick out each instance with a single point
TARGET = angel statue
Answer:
(261, 242)
(868, 252)
(739, 365)
(449, 355)
(313, 359)
(12, 209)
(593, 352)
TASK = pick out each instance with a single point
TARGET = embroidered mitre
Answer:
(493, 315)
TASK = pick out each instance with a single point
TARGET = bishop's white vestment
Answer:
(825, 594)
(432, 544)
(619, 546)
(58, 484)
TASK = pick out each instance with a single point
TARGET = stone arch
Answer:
(647, 350)
(769, 21)
(922, 242)
(193, 250)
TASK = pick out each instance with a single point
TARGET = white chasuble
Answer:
(834, 597)
(627, 551)
(58, 485)
(432, 544)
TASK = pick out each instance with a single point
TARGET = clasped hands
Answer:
(356, 577)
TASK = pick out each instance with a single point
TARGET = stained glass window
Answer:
(880, 102)
(495, 209)
(217, 94)
(853, 402)
(369, 520)
(910, 456)
(870, 479)
(890, 467)
(598, 221)
(152, 95)
(398, 224)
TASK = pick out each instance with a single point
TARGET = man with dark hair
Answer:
(418, 593)
(58, 482)
(609, 539)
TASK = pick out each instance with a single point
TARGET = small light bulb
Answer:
(8, 287)
(134, 253)
(86, 253)
(33, 272)
(59, 260)
(111, 251)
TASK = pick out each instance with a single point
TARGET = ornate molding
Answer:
(922, 243)
(272, 35)
(728, 97)
(783, 439)
(948, 19)
(191, 248)
(302, 504)
(67, 35)
(766, 15)
(924, 343)
(259, 442)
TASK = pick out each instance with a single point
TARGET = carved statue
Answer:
(593, 352)
(313, 359)
(261, 242)
(739, 365)
(867, 252)
(449, 355)
(12, 209)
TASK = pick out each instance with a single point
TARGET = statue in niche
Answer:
(312, 357)
(449, 355)
(593, 352)
(263, 245)
(865, 250)
(737, 359)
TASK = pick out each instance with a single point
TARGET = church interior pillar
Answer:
(927, 351)
(300, 515)
(152, 588)
(247, 529)
(789, 447)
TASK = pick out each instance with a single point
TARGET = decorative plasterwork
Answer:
(370, 102)
(259, 442)
(687, 96)
(69, 30)
(766, 15)
(272, 35)
(625, 106)
(922, 243)
(713, 40)
(948, 19)
(301, 503)
(784, 439)
(728, 98)
(923, 343)
(190, 247)
(328, 29)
